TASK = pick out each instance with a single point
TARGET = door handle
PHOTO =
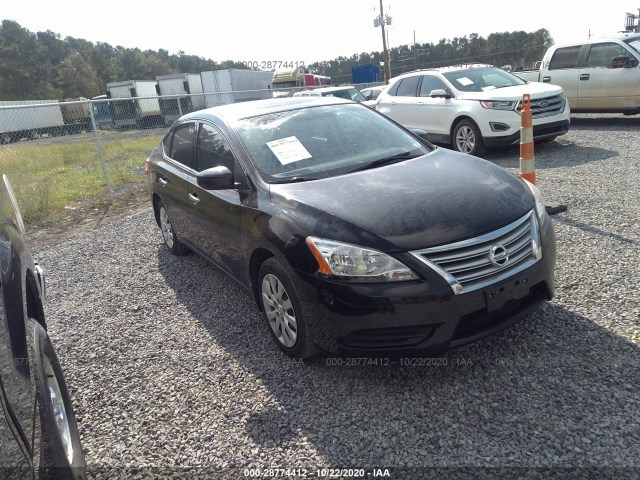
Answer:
(546, 79)
(162, 181)
(584, 76)
(194, 198)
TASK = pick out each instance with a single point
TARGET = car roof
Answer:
(453, 68)
(599, 39)
(238, 111)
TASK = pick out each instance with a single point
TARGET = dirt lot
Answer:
(71, 223)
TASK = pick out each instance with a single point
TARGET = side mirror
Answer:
(439, 93)
(624, 62)
(216, 178)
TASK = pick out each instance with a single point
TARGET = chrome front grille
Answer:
(545, 107)
(477, 262)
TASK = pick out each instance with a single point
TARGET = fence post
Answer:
(527, 160)
(100, 152)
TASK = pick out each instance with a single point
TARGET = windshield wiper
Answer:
(385, 161)
(295, 180)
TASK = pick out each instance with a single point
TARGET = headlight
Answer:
(357, 263)
(540, 208)
(495, 105)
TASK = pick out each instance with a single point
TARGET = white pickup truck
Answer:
(598, 75)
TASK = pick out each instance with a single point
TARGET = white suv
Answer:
(473, 107)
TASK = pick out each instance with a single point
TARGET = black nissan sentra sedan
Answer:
(353, 234)
(38, 432)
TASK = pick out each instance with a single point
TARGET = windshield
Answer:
(481, 79)
(348, 93)
(291, 84)
(634, 43)
(323, 141)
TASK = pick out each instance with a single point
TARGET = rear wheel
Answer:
(468, 139)
(61, 455)
(168, 233)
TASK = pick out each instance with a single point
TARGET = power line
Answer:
(453, 61)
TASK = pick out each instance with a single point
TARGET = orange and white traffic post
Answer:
(527, 161)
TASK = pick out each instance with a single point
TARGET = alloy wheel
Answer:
(465, 139)
(59, 410)
(279, 310)
(165, 226)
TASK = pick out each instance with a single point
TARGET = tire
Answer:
(169, 235)
(61, 455)
(279, 302)
(466, 138)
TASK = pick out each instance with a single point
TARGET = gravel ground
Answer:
(173, 372)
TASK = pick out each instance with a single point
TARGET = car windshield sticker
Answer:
(288, 150)
(464, 81)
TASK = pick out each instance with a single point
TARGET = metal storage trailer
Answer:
(235, 85)
(187, 84)
(138, 112)
(30, 119)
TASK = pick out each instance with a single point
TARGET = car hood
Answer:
(438, 198)
(535, 89)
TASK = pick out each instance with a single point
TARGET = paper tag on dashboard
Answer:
(288, 150)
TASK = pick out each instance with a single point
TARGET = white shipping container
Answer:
(235, 85)
(124, 113)
(175, 85)
(187, 84)
(46, 114)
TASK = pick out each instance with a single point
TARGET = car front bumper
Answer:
(540, 132)
(422, 317)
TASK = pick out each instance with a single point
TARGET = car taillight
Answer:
(146, 166)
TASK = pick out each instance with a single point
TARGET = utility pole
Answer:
(415, 52)
(381, 21)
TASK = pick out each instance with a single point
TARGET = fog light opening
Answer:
(498, 127)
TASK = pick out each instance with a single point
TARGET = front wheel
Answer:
(282, 309)
(468, 139)
(61, 455)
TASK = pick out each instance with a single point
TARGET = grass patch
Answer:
(50, 174)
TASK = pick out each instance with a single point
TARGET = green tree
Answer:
(24, 67)
(44, 66)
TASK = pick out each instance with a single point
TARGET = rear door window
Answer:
(408, 87)
(565, 58)
(182, 143)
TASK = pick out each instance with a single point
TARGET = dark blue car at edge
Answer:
(38, 432)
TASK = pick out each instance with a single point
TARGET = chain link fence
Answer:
(79, 152)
